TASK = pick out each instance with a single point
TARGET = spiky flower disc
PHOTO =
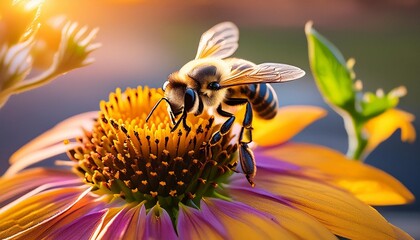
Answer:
(126, 157)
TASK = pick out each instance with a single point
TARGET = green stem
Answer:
(37, 81)
(29, 84)
(357, 141)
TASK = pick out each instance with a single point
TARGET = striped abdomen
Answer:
(263, 99)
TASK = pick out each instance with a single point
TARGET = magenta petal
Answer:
(273, 164)
(159, 224)
(137, 227)
(85, 207)
(256, 192)
(268, 164)
(234, 209)
(199, 224)
(117, 226)
(83, 228)
(128, 223)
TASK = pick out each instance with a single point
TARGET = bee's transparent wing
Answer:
(220, 41)
(238, 67)
(245, 72)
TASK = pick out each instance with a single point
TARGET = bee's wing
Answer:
(245, 72)
(220, 41)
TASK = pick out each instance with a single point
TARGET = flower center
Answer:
(126, 157)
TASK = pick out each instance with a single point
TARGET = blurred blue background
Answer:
(145, 41)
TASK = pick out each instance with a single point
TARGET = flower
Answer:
(58, 48)
(128, 179)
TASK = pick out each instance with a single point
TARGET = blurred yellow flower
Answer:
(58, 48)
(19, 20)
(383, 126)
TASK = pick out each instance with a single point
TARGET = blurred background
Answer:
(144, 41)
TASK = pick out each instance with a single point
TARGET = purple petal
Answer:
(159, 224)
(87, 206)
(254, 192)
(273, 164)
(129, 217)
(233, 209)
(117, 226)
(82, 228)
(199, 224)
(137, 227)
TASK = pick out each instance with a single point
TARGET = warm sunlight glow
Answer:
(30, 4)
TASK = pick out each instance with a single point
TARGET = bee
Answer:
(214, 81)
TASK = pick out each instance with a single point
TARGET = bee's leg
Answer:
(247, 122)
(247, 159)
(225, 128)
(246, 125)
(246, 156)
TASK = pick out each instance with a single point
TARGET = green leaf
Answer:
(333, 77)
(373, 105)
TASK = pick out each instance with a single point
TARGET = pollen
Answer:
(125, 156)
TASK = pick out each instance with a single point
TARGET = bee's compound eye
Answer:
(165, 85)
(213, 86)
(189, 99)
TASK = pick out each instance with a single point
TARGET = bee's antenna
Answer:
(156, 105)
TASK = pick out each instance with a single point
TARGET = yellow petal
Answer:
(367, 183)
(82, 215)
(401, 235)
(37, 210)
(295, 221)
(32, 178)
(383, 126)
(288, 122)
(337, 210)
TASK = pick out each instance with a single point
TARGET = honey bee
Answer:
(214, 81)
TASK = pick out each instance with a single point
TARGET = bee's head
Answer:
(180, 96)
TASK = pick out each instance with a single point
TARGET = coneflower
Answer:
(128, 179)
